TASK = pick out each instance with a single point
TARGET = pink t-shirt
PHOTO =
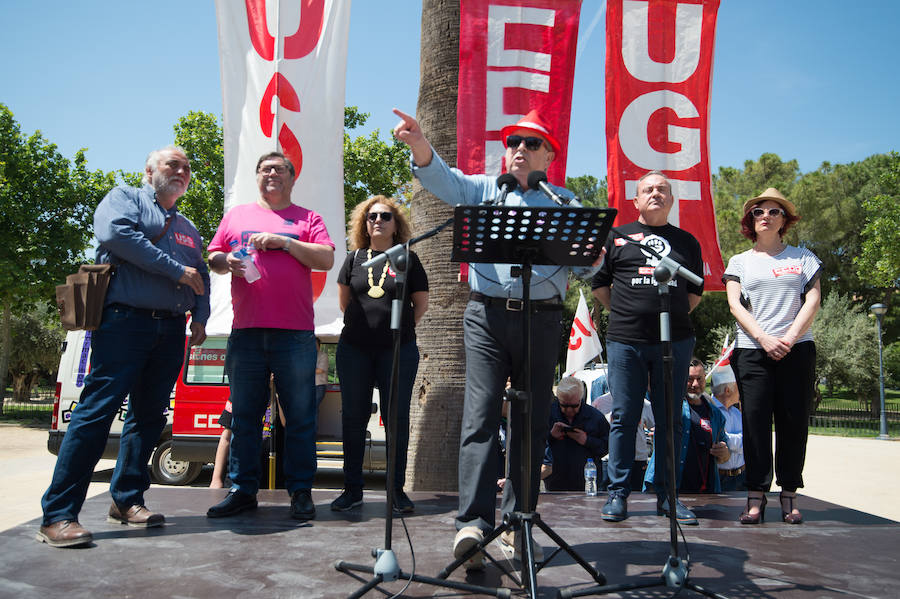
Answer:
(282, 298)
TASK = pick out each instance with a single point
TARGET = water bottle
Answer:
(251, 273)
(590, 478)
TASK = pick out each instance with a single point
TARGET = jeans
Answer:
(360, 370)
(630, 368)
(252, 356)
(132, 354)
(495, 350)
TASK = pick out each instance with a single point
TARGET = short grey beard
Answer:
(694, 395)
(162, 185)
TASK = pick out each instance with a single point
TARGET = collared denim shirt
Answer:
(453, 187)
(147, 275)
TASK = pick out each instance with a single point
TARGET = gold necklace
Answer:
(376, 291)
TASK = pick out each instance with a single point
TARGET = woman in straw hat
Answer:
(773, 292)
(364, 352)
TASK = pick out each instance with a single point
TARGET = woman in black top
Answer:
(364, 352)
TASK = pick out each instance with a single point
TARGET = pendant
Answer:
(375, 292)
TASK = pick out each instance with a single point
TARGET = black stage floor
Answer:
(837, 552)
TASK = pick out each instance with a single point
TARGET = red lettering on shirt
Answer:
(619, 241)
(645, 270)
(792, 269)
(182, 239)
(637, 236)
(704, 424)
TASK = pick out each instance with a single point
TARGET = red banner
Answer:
(514, 56)
(659, 57)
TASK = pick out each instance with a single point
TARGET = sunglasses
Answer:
(385, 216)
(531, 143)
(772, 212)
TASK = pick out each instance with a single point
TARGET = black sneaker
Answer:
(347, 500)
(402, 503)
(302, 506)
(234, 503)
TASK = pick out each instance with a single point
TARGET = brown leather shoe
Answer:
(65, 533)
(137, 515)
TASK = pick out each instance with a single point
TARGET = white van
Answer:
(191, 434)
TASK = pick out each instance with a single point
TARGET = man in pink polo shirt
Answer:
(272, 332)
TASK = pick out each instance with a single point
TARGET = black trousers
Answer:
(780, 392)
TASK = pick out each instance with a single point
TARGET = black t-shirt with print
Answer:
(634, 299)
(367, 320)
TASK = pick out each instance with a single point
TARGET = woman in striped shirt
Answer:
(773, 292)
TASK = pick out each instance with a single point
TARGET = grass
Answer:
(840, 414)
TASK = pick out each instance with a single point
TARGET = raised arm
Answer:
(409, 132)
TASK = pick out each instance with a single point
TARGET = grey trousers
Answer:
(495, 350)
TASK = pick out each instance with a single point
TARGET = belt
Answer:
(515, 304)
(155, 313)
(735, 472)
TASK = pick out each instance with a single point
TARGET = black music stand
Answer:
(528, 235)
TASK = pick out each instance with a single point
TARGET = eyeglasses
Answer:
(531, 143)
(772, 212)
(277, 168)
(569, 406)
(385, 216)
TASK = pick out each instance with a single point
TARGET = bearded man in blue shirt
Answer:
(137, 350)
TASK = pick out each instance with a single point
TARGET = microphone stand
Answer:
(386, 568)
(675, 570)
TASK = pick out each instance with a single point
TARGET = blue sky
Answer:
(804, 79)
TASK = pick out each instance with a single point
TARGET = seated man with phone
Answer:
(578, 431)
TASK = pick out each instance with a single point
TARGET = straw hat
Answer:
(532, 122)
(774, 195)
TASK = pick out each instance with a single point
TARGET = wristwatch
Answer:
(287, 244)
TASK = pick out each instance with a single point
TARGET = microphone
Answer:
(538, 180)
(507, 183)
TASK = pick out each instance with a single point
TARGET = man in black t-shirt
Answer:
(625, 286)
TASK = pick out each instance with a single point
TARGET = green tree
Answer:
(846, 355)
(590, 191)
(200, 134)
(371, 165)
(36, 336)
(831, 201)
(734, 186)
(878, 262)
(46, 208)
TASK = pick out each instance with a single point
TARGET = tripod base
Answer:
(379, 578)
(674, 576)
(523, 522)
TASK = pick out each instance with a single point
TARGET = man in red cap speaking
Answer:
(492, 325)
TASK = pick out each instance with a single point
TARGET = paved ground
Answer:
(857, 473)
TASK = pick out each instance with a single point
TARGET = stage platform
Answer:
(837, 552)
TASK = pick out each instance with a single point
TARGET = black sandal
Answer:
(748, 518)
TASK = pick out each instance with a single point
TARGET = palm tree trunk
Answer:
(436, 409)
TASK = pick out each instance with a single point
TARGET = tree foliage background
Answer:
(850, 220)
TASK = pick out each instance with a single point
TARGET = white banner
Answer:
(584, 341)
(283, 65)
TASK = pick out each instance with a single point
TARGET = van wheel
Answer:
(167, 471)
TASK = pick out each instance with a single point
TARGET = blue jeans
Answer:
(630, 368)
(360, 370)
(251, 357)
(133, 354)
